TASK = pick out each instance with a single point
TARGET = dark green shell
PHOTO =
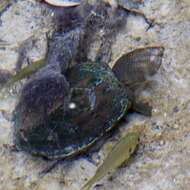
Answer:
(96, 102)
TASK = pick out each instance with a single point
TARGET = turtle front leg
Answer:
(134, 68)
(142, 108)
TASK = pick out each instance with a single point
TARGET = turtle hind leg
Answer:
(138, 106)
(135, 67)
(142, 108)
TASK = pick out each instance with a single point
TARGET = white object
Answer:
(72, 105)
(63, 3)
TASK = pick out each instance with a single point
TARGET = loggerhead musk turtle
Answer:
(65, 108)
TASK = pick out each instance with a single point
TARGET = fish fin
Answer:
(25, 72)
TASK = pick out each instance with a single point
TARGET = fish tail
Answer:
(88, 185)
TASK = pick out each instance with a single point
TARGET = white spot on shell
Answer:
(72, 105)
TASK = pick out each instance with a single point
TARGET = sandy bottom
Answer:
(162, 161)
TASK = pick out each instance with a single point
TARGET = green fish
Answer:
(7, 79)
(26, 72)
(3, 5)
(120, 153)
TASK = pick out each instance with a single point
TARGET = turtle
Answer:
(66, 107)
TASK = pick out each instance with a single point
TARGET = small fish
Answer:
(7, 79)
(3, 5)
(27, 71)
(120, 153)
(63, 3)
